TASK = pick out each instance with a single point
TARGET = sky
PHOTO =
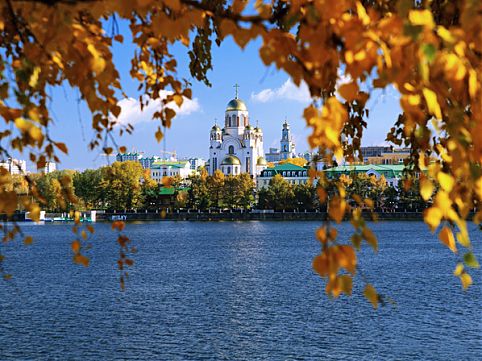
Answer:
(268, 93)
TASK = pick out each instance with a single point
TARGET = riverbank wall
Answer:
(243, 216)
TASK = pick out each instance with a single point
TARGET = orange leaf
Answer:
(75, 246)
(371, 295)
(447, 238)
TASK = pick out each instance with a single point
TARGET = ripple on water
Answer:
(234, 291)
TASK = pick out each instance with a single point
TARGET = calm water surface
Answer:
(234, 291)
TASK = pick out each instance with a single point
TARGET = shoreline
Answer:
(247, 216)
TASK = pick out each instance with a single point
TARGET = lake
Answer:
(234, 291)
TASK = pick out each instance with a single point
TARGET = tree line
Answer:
(127, 186)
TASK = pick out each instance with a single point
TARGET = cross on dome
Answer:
(236, 92)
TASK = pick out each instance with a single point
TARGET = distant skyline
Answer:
(270, 95)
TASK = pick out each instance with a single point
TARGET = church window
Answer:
(229, 170)
(248, 164)
(231, 149)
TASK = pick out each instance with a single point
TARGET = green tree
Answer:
(305, 196)
(88, 188)
(198, 194)
(216, 188)
(121, 185)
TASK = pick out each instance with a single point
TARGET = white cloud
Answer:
(131, 109)
(287, 91)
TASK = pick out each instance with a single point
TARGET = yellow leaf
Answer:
(445, 34)
(34, 77)
(97, 63)
(459, 269)
(90, 228)
(370, 238)
(336, 209)
(28, 240)
(178, 99)
(472, 83)
(446, 181)
(421, 18)
(426, 188)
(371, 295)
(478, 188)
(466, 280)
(447, 238)
(362, 14)
(432, 216)
(83, 234)
(432, 103)
(349, 91)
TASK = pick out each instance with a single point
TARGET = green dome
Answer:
(236, 104)
(231, 160)
(261, 161)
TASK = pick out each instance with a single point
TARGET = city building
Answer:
(49, 167)
(196, 163)
(165, 168)
(238, 147)
(384, 155)
(287, 146)
(14, 166)
(146, 162)
(392, 172)
(292, 173)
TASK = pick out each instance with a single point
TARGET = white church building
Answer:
(238, 147)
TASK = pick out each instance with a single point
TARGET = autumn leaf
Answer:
(432, 103)
(426, 188)
(371, 295)
(349, 91)
(28, 240)
(447, 238)
(75, 246)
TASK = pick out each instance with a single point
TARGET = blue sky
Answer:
(268, 93)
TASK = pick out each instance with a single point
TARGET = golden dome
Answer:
(236, 104)
(261, 161)
(231, 160)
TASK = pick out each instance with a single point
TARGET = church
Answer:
(237, 147)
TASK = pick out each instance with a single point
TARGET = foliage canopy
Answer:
(429, 51)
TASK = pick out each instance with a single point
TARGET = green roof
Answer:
(388, 170)
(286, 166)
(169, 191)
(173, 164)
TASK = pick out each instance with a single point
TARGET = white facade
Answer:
(293, 174)
(48, 168)
(162, 169)
(196, 163)
(14, 166)
(238, 147)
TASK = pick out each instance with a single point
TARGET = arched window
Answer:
(229, 170)
(231, 149)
